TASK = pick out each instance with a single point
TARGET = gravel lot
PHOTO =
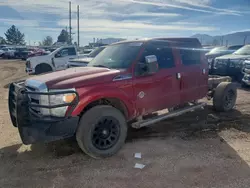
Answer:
(199, 149)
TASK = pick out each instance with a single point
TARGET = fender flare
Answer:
(104, 92)
(44, 64)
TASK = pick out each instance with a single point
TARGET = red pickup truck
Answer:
(119, 88)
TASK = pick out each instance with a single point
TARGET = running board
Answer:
(144, 123)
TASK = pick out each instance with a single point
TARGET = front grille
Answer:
(246, 77)
(34, 98)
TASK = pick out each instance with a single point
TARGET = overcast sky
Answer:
(125, 18)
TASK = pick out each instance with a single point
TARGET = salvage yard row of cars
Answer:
(22, 52)
(230, 61)
(222, 60)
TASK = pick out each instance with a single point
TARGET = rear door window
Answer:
(71, 51)
(190, 54)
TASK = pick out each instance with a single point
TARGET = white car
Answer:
(7, 52)
(56, 60)
(83, 62)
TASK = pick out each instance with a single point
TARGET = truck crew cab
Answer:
(119, 88)
(56, 60)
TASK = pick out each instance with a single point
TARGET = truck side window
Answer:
(163, 53)
(71, 51)
(63, 52)
(190, 55)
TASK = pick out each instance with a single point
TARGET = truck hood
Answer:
(82, 60)
(77, 77)
(39, 58)
(234, 57)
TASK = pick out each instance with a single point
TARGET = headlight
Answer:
(56, 100)
(236, 63)
(219, 63)
(210, 60)
(28, 64)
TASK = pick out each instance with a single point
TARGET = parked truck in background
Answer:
(232, 64)
(83, 62)
(219, 51)
(56, 60)
(118, 88)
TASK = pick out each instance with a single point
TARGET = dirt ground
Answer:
(199, 149)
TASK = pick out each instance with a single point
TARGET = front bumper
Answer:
(34, 127)
(227, 71)
(29, 70)
(246, 79)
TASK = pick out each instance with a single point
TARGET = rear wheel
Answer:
(102, 131)
(225, 95)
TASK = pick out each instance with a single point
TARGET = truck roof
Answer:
(195, 40)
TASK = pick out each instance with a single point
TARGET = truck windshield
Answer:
(243, 51)
(118, 56)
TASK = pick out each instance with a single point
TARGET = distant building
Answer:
(109, 40)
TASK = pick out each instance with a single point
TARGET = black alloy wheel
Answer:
(229, 99)
(106, 133)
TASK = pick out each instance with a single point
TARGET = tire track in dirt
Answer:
(11, 71)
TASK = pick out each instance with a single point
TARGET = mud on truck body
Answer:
(119, 88)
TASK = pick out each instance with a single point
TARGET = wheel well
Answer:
(116, 103)
(43, 65)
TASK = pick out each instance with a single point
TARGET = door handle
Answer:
(178, 76)
(203, 71)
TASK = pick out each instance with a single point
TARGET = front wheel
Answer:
(102, 131)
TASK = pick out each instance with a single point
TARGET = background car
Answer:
(83, 62)
(232, 64)
(20, 52)
(37, 52)
(219, 51)
(8, 53)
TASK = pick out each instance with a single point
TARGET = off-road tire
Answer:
(43, 68)
(223, 92)
(86, 128)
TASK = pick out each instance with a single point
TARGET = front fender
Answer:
(88, 96)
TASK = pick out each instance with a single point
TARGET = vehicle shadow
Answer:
(201, 122)
(47, 160)
(206, 123)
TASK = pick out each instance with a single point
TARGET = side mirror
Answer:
(152, 64)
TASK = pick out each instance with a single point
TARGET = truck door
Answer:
(160, 90)
(193, 75)
(62, 57)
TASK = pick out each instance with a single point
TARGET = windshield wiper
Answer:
(100, 66)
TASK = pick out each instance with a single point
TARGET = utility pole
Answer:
(245, 39)
(70, 40)
(78, 33)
